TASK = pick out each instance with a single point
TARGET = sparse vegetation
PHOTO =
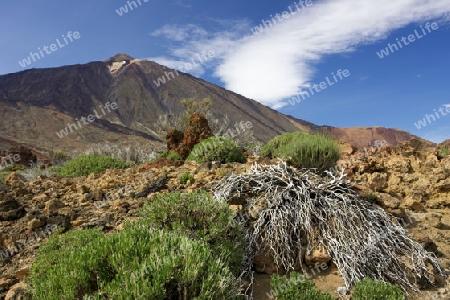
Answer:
(371, 197)
(84, 165)
(297, 287)
(58, 157)
(137, 153)
(35, 171)
(4, 173)
(179, 122)
(304, 150)
(443, 152)
(217, 149)
(185, 177)
(174, 156)
(369, 289)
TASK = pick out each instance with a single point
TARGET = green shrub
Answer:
(13, 168)
(443, 152)
(295, 288)
(217, 149)
(84, 165)
(200, 217)
(58, 157)
(3, 176)
(371, 197)
(174, 156)
(369, 289)
(304, 150)
(186, 177)
(133, 264)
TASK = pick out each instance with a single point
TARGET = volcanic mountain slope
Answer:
(37, 104)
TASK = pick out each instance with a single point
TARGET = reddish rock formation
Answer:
(174, 138)
(196, 131)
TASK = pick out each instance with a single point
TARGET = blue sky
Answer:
(283, 59)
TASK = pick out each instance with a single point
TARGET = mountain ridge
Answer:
(41, 102)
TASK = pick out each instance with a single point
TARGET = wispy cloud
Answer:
(276, 63)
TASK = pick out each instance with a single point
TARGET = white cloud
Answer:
(274, 64)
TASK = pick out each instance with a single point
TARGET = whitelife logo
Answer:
(12, 160)
(423, 122)
(319, 87)
(265, 24)
(90, 119)
(124, 9)
(411, 38)
(48, 50)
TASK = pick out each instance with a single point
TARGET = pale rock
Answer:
(35, 223)
(53, 206)
(317, 255)
(414, 205)
(40, 198)
(378, 181)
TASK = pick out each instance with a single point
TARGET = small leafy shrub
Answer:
(8, 169)
(186, 177)
(371, 197)
(443, 152)
(369, 289)
(58, 157)
(200, 217)
(174, 156)
(298, 287)
(3, 176)
(217, 149)
(84, 165)
(13, 168)
(304, 150)
(133, 264)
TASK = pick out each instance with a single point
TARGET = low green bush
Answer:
(443, 152)
(133, 264)
(186, 177)
(297, 287)
(304, 150)
(200, 217)
(371, 197)
(13, 168)
(174, 156)
(217, 149)
(369, 289)
(3, 176)
(58, 157)
(84, 165)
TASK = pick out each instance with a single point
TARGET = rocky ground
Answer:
(410, 181)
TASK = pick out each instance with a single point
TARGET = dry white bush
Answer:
(138, 153)
(362, 240)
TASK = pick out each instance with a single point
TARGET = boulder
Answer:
(11, 209)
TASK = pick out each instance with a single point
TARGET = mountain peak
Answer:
(119, 58)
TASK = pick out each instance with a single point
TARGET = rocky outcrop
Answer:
(196, 131)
